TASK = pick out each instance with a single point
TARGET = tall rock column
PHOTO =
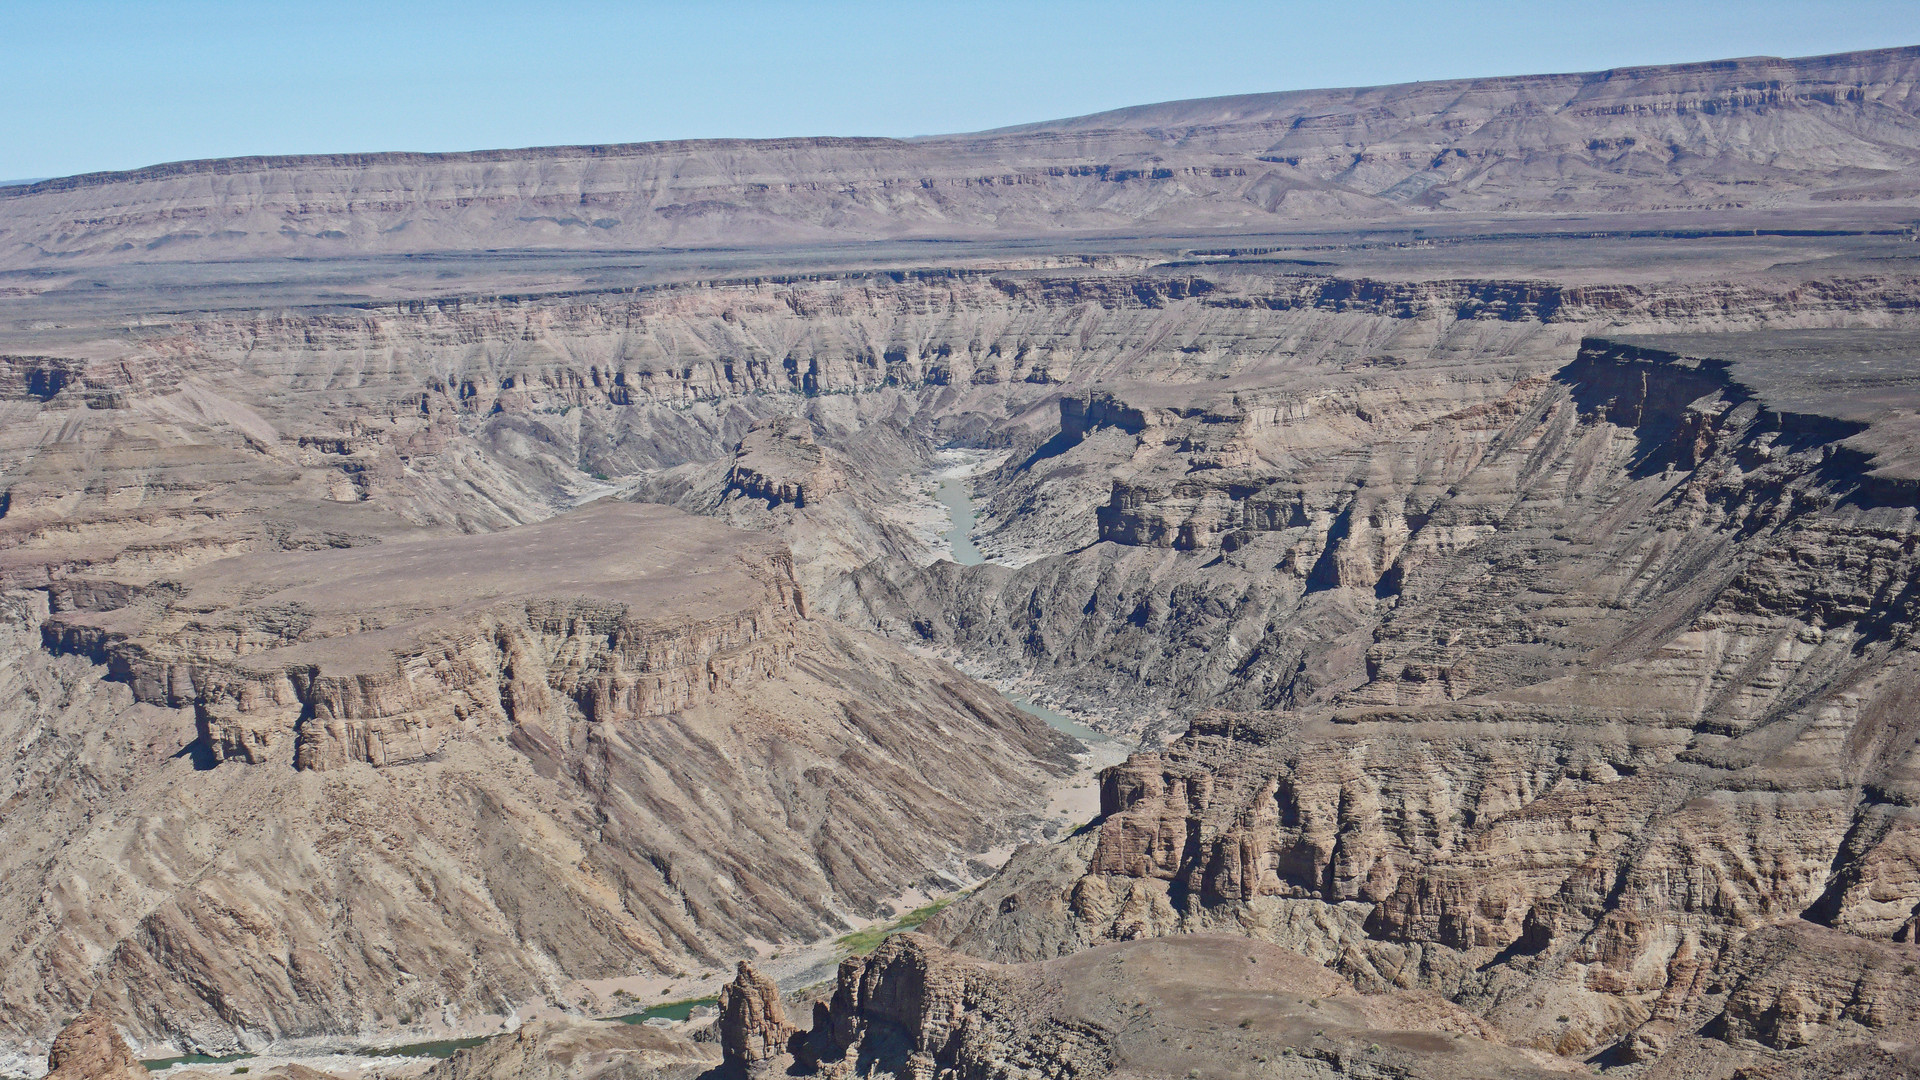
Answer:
(753, 1026)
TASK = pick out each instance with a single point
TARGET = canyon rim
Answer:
(1410, 581)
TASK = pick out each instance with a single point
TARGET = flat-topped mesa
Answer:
(1794, 134)
(779, 461)
(379, 653)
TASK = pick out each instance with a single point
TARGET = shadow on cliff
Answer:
(200, 753)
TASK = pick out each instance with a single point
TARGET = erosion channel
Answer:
(446, 596)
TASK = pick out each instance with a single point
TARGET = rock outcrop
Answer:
(1180, 1006)
(752, 1025)
(90, 1048)
(780, 462)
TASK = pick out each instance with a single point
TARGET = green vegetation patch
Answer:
(862, 942)
(672, 1010)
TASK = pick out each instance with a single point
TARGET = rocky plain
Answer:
(452, 595)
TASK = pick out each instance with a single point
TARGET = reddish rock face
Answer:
(753, 1026)
(90, 1048)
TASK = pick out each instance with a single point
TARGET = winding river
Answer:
(956, 494)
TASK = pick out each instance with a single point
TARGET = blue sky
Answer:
(90, 84)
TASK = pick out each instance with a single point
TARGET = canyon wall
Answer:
(1487, 636)
(1628, 737)
(431, 776)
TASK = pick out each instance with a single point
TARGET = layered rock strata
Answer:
(752, 1024)
(1287, 548)
(437, 776)
(379, 653)
(1630, 743)
(1756, 132)
(1414, 501)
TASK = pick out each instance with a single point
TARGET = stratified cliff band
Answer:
(1505, 616)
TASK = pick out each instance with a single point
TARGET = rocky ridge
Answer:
(1532, 592)
(1169, 1007)
(1627, 813)
(1756, 132)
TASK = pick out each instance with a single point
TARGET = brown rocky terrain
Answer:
(438, 775)
(88, 1048)
(1174, 1006)
(1610, 763)
(1513, 607)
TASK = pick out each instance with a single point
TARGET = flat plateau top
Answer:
(1869, 377)
(356, 609)
(1849, 374)
(650, 558)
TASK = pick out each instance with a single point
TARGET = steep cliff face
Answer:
(1754, 132)
(1189, 1005)
(442, 776)
(752, 1025)
(1625, 743)
(1522, 648)
(378, 653)
(1271, 537)
(1540, 618)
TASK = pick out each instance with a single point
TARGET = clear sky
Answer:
(95, 84)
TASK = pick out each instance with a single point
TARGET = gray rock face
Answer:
(1758, 132)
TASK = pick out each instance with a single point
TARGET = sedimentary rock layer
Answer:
(1618, 750)
(1181, 1006)
(379, 653)
(1756, 132)
(1520, 612)
(302, 793)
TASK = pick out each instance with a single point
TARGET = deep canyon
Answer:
(451, 595)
